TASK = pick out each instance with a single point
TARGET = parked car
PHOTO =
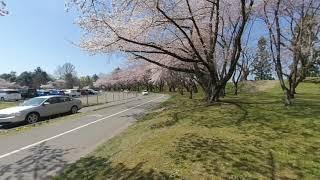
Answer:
(28, 93)
(9, 95)
(43, 93)
(73, 92)
(84, 92)
(93, 92)
(33, 109)
(145, 92)
(56, 92)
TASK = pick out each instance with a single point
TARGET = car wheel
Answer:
(2, 99)
(74, 110)
(32, 118)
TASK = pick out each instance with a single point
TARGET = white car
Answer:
(145, 92)
(72, 92)
(9, 95)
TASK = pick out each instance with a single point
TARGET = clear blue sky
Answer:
(37, 33)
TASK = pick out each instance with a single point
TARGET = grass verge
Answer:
(4, 105)
(22, 126)
(250, 136)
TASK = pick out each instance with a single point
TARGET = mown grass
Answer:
(250, 136)
(4, 105)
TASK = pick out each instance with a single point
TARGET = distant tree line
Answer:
(65, 77)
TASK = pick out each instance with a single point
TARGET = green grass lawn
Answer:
(252, 136)
(4, 105)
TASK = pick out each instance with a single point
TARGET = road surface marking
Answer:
(72, 130)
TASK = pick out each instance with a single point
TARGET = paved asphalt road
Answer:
(43, 151)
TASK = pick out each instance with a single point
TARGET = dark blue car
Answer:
(43, 93)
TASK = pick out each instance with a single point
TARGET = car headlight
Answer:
(16, 114)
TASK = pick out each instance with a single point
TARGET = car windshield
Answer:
(33, 102)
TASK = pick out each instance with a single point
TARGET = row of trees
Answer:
(206, 39)
(66, 77)
(148, 76)
(142, 75)
(31, 79)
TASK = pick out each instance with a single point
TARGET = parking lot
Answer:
(106, 97)
(90, 100)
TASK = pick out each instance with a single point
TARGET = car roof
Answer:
(9, 89)
(47, 97)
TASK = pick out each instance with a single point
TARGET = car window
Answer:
(53, 100)
(12, 92)
(64, 99)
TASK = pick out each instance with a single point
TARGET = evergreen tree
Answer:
(262, 65)
(314, 70)
(95, 77)
(40, 77)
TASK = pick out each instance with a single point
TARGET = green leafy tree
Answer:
(40, 77)
(262, 65)
(86, 81)
(25, 79)
(314, 70)
(68, 73)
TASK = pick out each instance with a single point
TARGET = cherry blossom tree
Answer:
(56, 84)
(6, 84)
(294, 27)
(3, 10)
(194, 33)
(132, 76)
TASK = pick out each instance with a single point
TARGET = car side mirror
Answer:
(46, 103)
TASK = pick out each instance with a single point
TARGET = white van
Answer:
(9, 95)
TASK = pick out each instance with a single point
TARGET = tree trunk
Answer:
(214, 94)
(181, 91)
(195, 88)
(236, 89)
(212, 91)
(288, 98)
(190, 94)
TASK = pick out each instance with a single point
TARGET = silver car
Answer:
(33, 109)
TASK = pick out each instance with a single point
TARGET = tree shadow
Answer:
(173, 120)
(223, 157)
(134, 116)
(220, 115)
(272, 165)
(43, 162)
(93, 167)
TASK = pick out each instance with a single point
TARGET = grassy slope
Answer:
(248, 137)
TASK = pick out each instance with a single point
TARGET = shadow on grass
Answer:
(42, 162)
(168, 123)
(101, 168)
(224, 157)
